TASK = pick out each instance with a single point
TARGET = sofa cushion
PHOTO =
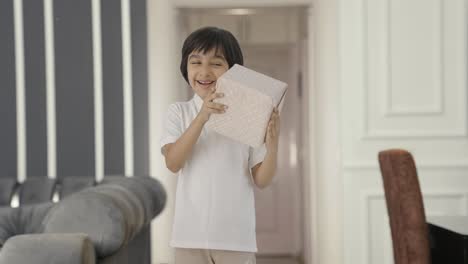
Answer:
(73, 184)
(36, 190)
(7, 187)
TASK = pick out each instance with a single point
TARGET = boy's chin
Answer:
(203, 93)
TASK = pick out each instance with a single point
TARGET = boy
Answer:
(214, 218)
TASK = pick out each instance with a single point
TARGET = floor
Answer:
(264, 260)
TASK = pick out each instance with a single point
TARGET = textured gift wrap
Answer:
(250, 97)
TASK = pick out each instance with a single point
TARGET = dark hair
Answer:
(208, 38)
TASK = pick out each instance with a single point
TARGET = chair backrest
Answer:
(405, 207)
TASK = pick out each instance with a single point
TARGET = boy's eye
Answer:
(195, 62)
(217, 64)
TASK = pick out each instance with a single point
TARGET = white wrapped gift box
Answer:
(251, 98)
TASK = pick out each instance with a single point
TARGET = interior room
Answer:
(372, 153)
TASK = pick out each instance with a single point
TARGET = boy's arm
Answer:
(263, 172)
(177, 153)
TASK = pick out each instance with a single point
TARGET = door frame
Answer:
(323, 190)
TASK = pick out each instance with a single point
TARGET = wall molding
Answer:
(438, 107)
(371, 134)
(390, 111)
(369, 165)
(369, 196)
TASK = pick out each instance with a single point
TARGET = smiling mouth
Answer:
(205, 83)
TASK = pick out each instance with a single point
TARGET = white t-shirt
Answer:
(215, 206)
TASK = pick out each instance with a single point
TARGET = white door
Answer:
(278, 205)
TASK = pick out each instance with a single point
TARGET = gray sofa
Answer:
(104, 223)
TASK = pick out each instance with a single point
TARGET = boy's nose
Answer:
(206, 72)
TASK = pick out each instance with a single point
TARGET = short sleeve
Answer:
(256, 155)
(172, 126)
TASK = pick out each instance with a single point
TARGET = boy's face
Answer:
(203, 69)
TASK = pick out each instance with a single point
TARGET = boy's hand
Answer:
(209, 107)
(273, 131)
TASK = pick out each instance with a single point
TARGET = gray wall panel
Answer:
(140, 87)
(112, 87)
(74, 88)
(35, 88)
(8, 150)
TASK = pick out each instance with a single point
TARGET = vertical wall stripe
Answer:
(20, 94)
(112, 87)
(74, 88)
(98, 101)
(8, 135)
(50, 88)
(35, 88)
(127, 86)
(140, 88)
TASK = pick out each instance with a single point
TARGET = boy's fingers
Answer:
(217, 95)
(209, 97)
(213, 96)
(217, 106)
(217, 109)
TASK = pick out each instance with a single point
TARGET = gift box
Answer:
(251, 97)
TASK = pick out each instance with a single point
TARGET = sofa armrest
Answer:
(48, 249)
(111, 214)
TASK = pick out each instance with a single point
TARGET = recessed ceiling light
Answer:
(240, 11)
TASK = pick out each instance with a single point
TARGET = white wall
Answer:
(403, 84)
(381, 74)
